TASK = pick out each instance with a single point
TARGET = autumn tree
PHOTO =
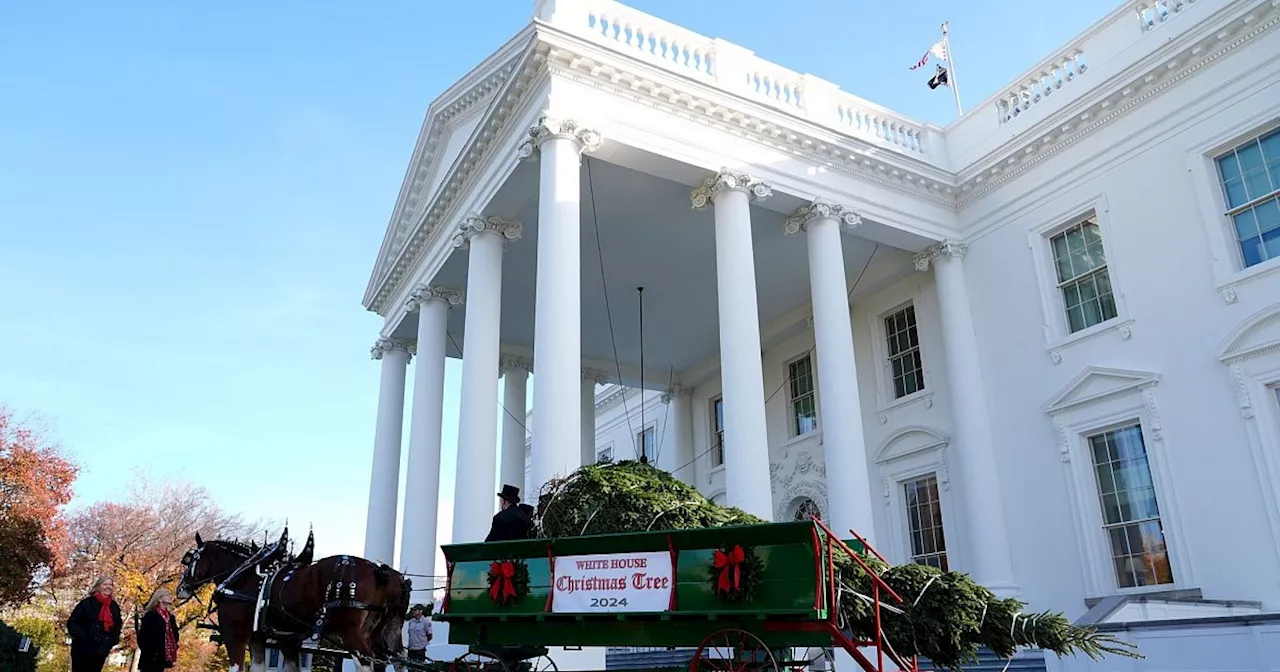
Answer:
(35, 483)
(140, 542)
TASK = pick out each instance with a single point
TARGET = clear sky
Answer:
(192, 196)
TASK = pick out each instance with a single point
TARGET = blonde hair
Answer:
(101, 580)
(160, 594)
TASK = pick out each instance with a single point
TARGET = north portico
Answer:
(521, 253)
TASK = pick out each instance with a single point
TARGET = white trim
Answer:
(1057, 331)
(1098, 400)
(907, 454)
(885, 401)
(712, 467)
(1251, 353)
(792, 435)
(1228, 266)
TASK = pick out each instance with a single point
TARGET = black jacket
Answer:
(86, 631)
(151, 641)
(510, 523)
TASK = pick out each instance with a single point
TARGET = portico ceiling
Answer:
(650, 236)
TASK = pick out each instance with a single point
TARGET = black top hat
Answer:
(510, 493)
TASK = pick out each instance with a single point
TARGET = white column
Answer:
(677, 456)
(590, 378)
(557, 330)
(988, 548)
(384, 481)
(839, 405)
(746, 470)
(422, 482)
(515, 375)
(475, 496)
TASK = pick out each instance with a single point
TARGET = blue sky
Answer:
(192, 197)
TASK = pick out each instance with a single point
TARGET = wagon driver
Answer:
(513, 520)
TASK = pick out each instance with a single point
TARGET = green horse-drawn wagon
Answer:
(745, 596)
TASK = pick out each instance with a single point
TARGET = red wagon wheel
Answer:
(733, 650)
(478, 661)
(541, 664)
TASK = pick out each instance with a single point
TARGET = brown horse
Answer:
(349, 603)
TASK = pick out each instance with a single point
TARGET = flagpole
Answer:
(951, 76)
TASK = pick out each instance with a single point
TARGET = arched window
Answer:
(806, 509)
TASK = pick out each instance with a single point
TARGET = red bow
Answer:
(730, 566)
(504, 584)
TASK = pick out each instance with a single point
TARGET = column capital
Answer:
(550, 126)
(509, 363)
(474, 225)
(600, 376)
(675, 392)
(820, 208)
(424, 293)
(725, 181)
(387, 345)
(948, 248)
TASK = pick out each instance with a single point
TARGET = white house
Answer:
(1040, 345)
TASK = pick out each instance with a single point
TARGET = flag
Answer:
(938, 49)
(940, 79)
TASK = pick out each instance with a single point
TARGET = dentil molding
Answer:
(424, 293)
(384, 346)
(474, 225)
(948, 248)
(726, 181)
(821, 209)
(550, 127)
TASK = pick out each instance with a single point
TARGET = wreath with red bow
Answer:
(735, 573)
(508, 581)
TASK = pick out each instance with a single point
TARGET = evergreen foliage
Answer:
(12, 660)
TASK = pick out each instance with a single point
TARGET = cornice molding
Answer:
(598, 376)
(509, 363)
(820, 209)
(948, 249)
(676, 391)
(384, 346)
(550, 127)
(726, 181)
(424, 293)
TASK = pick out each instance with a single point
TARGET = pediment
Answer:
(1258, 334)
(1095, 384)
(909, 441)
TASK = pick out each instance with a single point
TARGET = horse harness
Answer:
(339, 593)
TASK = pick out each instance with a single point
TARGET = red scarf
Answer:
(170, 637)
(104, 614)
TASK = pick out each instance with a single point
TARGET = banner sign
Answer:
(618, 582)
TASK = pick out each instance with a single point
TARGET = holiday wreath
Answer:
(735, 573)
(945, 616)
(508, 581)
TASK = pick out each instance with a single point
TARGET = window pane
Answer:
(1129, 508)
(903, 340)
(924, 522)
(1062, 258)
(1268, 215)
(1228, 168)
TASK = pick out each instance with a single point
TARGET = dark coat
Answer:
(85, 628)
(509, 524)
(151, 641)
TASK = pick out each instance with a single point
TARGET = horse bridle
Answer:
(223, 579)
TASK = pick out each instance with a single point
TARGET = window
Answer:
(605, 455)
(1250, 179)
(645, 440)
(1083, 280)
(807, 510)
(804, 406)
(904, 352)
(717, 432)
(924, 522)
(1130, 514)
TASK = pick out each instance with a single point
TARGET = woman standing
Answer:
(94, 627)
(158, 634)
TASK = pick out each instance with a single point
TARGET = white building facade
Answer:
(1040, 345)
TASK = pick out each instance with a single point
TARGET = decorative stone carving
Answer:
(386, 345)
(888, 486)
(1056, 356)
(820, 209)
(507, 363)
(947, 248)
(1229, 294)
(549, 127)
(424, 293)
(474, 225)
(807, 478)
(1149, 397)
(1064, 440)
(676, 391)
(600, 376)
(727, 180)
(1242, 392)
